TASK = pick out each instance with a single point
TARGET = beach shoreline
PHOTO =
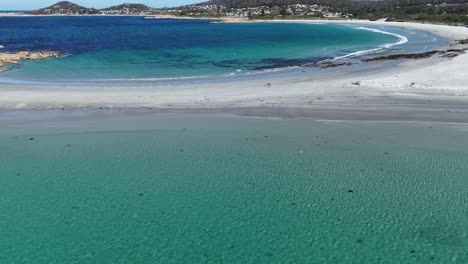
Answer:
(356, 164)
(436, 79)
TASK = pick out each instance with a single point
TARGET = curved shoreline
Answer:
(402, 40)
(233, 76)
(435, 83)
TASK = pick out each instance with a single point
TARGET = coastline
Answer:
(343, 95)
(356, 164)
(218, 19)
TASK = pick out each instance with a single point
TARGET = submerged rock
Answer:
(14, 58)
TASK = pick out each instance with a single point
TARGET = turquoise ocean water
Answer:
(134, 48)
(213, 189)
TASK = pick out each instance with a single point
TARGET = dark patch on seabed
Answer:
(271, 63)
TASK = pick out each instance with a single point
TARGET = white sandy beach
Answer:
(435, 83)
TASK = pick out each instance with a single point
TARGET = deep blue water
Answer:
(103, 48)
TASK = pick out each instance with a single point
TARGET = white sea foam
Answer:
(402, 40)
(357, 53)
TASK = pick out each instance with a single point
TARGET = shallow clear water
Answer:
(192, 189)
(136, 48)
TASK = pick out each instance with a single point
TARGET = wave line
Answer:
(402, 40)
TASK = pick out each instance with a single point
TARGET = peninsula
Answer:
(69, 8)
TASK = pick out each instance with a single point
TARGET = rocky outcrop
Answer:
(15, 58)
(450, 53)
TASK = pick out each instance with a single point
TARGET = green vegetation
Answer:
(128, 9)
(436, 11)
(433, 11)
(67, 8)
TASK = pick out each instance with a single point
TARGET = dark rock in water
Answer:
(31, 138)
(386, 153)
(403, 56)
(141, 194)
(359, 241)
(334, 65)
(350, 191)
(450, 55)
(181, 150)
(412, 251)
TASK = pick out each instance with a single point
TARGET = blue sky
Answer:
(35, 4)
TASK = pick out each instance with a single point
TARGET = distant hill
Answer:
(254, 3)
(395, 3)
(444, 11)
(69, 8)
(126, 8)
(65, 8)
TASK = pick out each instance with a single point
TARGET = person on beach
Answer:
(268, 85)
